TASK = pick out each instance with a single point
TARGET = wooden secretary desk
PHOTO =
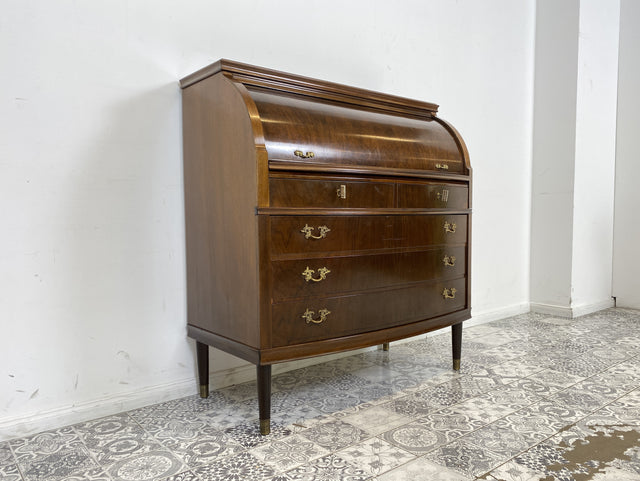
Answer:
(319, 218)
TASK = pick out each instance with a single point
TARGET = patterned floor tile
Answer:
(412, 405)
(466, 458)
(331, 467)
(46, 443)
(415, 438)
(376, 419)
(62, 464)
(288, 453)
(248, 435)
(184, 476)
(502, 441)
(554, 380)
(335, 435)
(452, 424)
(115, 437)
(10, 472)
(375, 456)
(146, 467)
(235, 468)
(512, 471)
(423, 470)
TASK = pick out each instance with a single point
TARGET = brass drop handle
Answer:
(308, 274)
(442, 166)
(342, 191)
(307, 231)
(308, 316)
(449, 293)
(449, 260)
(302, 155)
(449, 227)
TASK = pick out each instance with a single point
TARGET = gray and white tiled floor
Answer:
(538, 398)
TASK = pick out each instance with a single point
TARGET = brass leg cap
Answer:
(385, 346)
(265, 426)
(456, 364)
(204, 390)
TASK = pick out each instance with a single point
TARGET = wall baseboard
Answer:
(573, 311)
(19, 426)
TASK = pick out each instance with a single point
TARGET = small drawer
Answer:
(332, 275)
(433, 196)
(309, 234)
(309, 192)
(320, 318)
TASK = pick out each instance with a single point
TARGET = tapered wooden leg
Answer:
(456, 342)
(202, 352)
(264, 398)
(385, 346)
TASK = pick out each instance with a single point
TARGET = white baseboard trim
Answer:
(483, 317)
(25, 425)
(19, 426)
(573, 311)
(12, 427)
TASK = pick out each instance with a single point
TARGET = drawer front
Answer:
(309, 234)
(332, 275)
(300, 192)
(315, 319)
(433, 196)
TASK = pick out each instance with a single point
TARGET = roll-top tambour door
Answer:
(291, 235)
(303, 130)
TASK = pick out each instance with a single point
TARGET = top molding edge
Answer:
(249, 74)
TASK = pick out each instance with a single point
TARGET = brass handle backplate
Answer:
(308, 316)
(449, 293)
(442, 166)
(342, 191)
(449, 260)
(443, 196)
(308, 274)
(302, 155)
(449, 227)
(307, 231)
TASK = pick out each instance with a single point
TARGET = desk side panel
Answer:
(220, 179)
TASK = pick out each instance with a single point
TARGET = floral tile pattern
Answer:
(538, 398)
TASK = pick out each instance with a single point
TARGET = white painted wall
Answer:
(574, 155)
(626, 267)
(554, 130)
(92, 291)
(595, 157)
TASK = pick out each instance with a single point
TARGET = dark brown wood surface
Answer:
(368, 193)
(323, 132)
(221, 225)
(356, 273)
(362, 233)
(365, 311)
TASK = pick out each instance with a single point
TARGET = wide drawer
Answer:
(309, 234)
(432, 196)
(301, 192)
(313, 277)
(315, 319)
